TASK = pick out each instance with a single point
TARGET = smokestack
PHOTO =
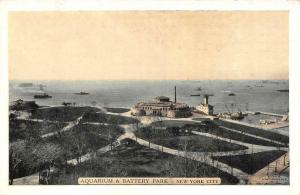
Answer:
(206, 99)
(175, 95)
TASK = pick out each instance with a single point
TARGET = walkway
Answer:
(66, 128)
(28, 180)
(254, 136)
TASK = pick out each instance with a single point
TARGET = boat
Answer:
(231, 94)
(82, 93)
(195, 95)
(259, 86)
(41, 96)
(26, 85)
(67, 103)
(198, 89)
(283, 90)
(233, 116)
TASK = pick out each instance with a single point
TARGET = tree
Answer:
(32, 136)
(185, 156)
(14, 163)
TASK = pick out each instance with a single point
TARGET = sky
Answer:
(148, 45)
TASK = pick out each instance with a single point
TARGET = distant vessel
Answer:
(195, 95)
(230, 114)
(231, 94)
(67, 103)
(233, 116)
(198, 89)
(42, 96)
(42, 87)
(26, 85)
(283, 90)
(82, 93)
(259, 86)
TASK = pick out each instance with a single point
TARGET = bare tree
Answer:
(14, 162)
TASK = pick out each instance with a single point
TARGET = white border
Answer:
(292, 6)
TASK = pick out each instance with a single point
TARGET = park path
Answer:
(254, 136)
(91, 155)
(66, 128)
(28, 180)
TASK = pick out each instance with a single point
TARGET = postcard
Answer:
(168, 97)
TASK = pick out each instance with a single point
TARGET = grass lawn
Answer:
(215, 130)
(196, 143)
(84, 138)
(172, 123)
(139, 161)
(255, 131)
(107, 118)
(18, 128)
(251, 163)
(64, 114)
(117, 110)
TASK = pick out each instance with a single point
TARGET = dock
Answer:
(265, 113)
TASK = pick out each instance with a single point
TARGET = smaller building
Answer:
(205, 107)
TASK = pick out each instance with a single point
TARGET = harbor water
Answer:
(248, 95)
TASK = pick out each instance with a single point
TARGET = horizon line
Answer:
(148, 79)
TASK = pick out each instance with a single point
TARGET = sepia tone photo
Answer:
(148, 97)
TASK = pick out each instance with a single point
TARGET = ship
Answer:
(233, 116)
(283, 90)
(82, 93)
(26, 85)
(230, 114)
(231, 94)
(195, 95)
(42, 96)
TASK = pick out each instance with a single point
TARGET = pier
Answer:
(265, 113)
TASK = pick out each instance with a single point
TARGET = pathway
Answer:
(251, 135)
(66, 128)
(28, 180)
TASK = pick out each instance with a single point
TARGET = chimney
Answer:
(175, 94)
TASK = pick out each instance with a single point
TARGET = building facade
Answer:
(161, 106)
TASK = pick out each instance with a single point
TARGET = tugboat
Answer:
(82, 93)
(42, 96)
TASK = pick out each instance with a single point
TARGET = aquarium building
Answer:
(162, 106)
